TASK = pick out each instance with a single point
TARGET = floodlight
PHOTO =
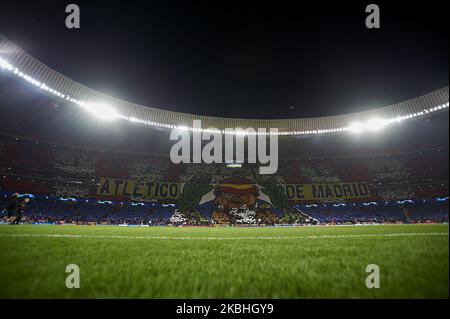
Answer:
(376, 125)
(6, 65)
(356, 127)
(101, 111)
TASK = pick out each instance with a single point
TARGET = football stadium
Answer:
(352, 194)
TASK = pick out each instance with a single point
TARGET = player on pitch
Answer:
(16, 207)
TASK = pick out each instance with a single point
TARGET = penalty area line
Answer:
(223, 238)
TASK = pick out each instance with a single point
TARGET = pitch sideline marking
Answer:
(223, 238)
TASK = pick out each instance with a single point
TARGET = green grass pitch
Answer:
(228, 262)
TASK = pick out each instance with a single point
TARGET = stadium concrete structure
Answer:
(383, 160)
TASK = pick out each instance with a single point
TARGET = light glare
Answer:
(101, 111)
(356, 127)
(376, 125)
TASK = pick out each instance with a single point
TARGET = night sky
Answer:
(259, 60)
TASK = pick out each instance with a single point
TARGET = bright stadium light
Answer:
(356, 127)
(101, 111)
(373, 125)
(182, 128)
(376, 124)
(6, 65)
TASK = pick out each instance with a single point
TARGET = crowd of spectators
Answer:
(87, 211)
(417, 211)
(51, 171)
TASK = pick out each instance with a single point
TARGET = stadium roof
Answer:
(21, 64)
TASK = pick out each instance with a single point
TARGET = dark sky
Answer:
(264, 59)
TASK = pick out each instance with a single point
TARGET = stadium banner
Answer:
(330, 191)
(115, 187)
(139, 190)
